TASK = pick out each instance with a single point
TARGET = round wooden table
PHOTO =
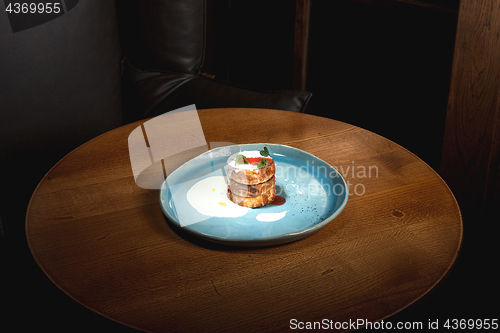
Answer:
(105, 241)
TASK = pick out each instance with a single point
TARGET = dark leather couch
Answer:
(164, 43)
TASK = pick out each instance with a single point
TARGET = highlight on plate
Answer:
(209, 198)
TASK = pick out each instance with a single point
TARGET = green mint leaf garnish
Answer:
(264, 152)
(241, 159)
(262, 163)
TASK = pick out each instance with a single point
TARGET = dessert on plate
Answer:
(251, 178)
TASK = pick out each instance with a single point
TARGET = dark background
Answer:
(381, 65)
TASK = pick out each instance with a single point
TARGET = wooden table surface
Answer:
(105, 241)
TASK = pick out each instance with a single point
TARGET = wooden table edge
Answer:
(134, 124)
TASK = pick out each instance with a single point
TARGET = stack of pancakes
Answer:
(251, 187)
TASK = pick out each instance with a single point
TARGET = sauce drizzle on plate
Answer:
(278, 201)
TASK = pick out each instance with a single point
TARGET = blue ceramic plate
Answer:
(194, 198)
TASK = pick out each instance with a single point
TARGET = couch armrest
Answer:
(151, 93)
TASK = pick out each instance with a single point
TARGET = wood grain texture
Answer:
(471, 147)
(105, 241)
